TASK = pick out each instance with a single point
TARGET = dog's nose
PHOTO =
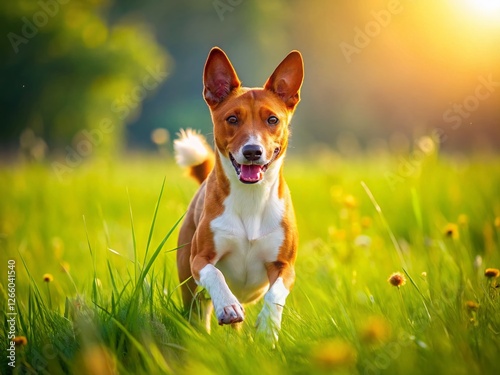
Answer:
(252, 152)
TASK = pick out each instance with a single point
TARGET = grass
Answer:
(107, 236)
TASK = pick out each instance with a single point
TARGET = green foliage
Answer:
(70, 70)
(114, 302)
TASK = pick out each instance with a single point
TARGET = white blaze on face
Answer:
(251, 172)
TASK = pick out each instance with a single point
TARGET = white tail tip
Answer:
(190, 148)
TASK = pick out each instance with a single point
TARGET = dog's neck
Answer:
(258, 207)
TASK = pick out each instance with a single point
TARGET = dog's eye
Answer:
(233, 120)
(273, 120)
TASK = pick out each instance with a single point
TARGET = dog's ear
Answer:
(219, 77)
(287, 79)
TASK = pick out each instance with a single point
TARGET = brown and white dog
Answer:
(239, 237)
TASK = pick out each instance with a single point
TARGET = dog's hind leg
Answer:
(200, 310)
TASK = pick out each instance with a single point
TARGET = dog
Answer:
(239, 237)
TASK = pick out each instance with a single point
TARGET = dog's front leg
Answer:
(269, 319)
(227, 307)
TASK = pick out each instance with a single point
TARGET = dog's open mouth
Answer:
(251, 173)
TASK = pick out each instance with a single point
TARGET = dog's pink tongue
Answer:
(250, 173)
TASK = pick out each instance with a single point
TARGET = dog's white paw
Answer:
(268, 323)
(269, 320)
(233, 313)
(227, 307)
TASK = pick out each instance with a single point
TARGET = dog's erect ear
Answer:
(287, 79)
(219, 77)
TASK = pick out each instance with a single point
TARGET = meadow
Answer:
(96, 289)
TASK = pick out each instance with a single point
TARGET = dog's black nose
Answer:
(252, 152)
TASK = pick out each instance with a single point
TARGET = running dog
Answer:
(239, 237)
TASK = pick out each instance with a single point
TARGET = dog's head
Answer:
(251, 126)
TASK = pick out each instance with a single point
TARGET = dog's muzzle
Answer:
(251, 173)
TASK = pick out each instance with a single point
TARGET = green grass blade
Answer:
(385, 223)
(419, 292)
(151, 229)
(93, 255)
(134, 243)
(416, 209)
(104, 225)
(88, 240)
(157, 251)
(33, 282)
(140, 348)
(111, 276)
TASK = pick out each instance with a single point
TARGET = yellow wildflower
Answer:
(333, 354)
(374, 330)
(397, 279)
(463, 219)
(471, 305)
(491, 273)
(497, 222)
(350, 201)
(451, 231)
(20, 340)
(366, 222)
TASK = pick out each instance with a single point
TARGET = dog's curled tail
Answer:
(193, 152)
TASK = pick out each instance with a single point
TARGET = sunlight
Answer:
(485, 7)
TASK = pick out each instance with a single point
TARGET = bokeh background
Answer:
(394, 166)
(379, 73)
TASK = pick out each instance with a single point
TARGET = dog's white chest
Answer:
(248, 235)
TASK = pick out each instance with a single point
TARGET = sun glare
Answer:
(486, 7)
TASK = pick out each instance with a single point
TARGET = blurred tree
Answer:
(71, 75)
(253, 33)
(79, 70)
